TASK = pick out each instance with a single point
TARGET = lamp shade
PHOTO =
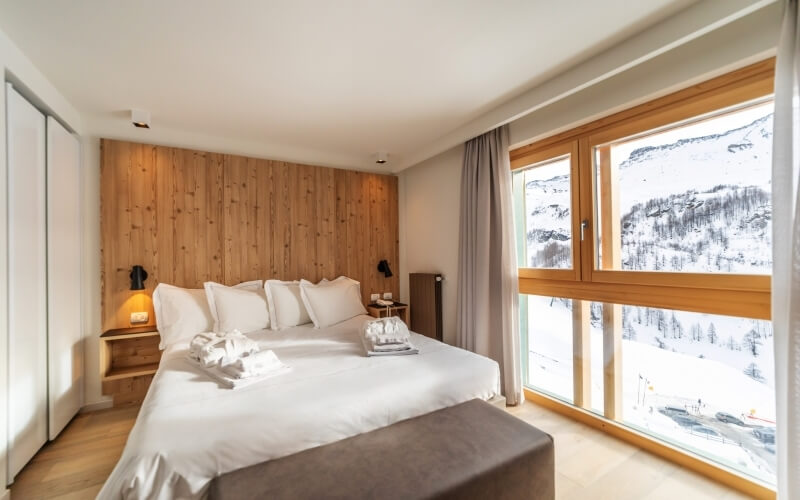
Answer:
(138, 275)
(383, 266)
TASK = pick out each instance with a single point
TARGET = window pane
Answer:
(548, 334)
(704, 382)
(543, 214)
(693, 197)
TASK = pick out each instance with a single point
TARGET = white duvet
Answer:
(190, 429)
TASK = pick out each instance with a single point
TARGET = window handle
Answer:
(584, 225)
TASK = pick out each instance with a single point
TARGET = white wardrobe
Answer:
(45, 365)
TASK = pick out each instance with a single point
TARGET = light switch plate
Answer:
(374, 297)
(387, 295)
(139, 317)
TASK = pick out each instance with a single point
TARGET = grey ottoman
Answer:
(468, 451)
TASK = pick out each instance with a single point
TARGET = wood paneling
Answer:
(189, 216)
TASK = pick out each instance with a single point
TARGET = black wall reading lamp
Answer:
(138, 275)
(383, 266)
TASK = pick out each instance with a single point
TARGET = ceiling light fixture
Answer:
(140, 118)
(381, 157)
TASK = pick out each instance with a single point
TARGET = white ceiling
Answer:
(341, 78)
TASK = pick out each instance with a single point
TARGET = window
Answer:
(549, 339)
(644, 243)
(546, 202)
(548, 215)
(702, 381)
(690, 197)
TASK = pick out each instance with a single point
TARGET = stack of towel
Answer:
(387, 336)
(234, 359)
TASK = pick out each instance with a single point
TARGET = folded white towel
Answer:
(395, 349)
(216, 373)
(253, 365)
(401, 346)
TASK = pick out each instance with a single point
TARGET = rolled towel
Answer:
(373, 328)
(200, 341)
(236, 346)
(389, 330)
(223, 349)
(212, 353)
(253, 365)
(262, 360)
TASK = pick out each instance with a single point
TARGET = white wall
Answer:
(430, 191)
(429, 198)
(745, 41)
(3, 296)
(93, 397)
(19, 70)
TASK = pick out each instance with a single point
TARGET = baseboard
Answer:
(498, 401)
(100, 405)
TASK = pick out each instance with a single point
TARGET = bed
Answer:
(190, 429)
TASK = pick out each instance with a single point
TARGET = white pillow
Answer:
(332, 302)
(286, 308)
(181, 313)
(242, 307)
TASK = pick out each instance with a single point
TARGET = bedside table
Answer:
(128, 359)
(397, 309)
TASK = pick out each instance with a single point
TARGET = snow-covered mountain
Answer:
(548, 222)
(699, 204)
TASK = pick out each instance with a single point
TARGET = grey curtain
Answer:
(786, 252)
(488, 289)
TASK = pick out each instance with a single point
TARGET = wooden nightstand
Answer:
(128, 359)
(397, 309)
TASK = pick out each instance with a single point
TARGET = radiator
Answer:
(426, 304)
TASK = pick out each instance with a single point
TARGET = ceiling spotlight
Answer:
(381, 157)
(140, 118)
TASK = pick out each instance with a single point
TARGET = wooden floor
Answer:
(589, 464)
(77, 463)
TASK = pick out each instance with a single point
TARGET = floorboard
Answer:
(589, 464)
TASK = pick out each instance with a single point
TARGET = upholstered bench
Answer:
(472, 450)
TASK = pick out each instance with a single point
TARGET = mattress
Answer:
(190, 429)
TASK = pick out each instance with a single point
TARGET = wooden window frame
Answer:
(545, 154)
(716, 293)
(739, 295)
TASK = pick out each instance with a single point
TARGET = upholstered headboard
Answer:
(190, 216)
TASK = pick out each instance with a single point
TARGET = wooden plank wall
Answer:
(189, 216)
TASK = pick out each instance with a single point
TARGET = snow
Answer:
(668, 378)
(547, 222)
(697, 163)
